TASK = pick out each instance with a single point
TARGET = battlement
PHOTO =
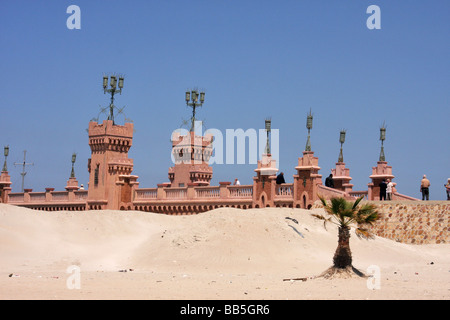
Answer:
(107, 128)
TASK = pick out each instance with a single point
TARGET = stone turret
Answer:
(191, 154)
(110, 178)
(306, 180)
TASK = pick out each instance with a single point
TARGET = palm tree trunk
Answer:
(343, 256)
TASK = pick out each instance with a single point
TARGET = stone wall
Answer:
(414, 222)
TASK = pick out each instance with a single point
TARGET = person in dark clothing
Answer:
(383, 187)
(280, 178)
(329, 181)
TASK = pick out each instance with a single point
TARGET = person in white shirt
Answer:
(389, 188)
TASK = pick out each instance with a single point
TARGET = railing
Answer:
(37, 197)
(16, 197)
(241, 192)
(358, 194)
(176, 193)
(398, 196)
(146, 193)
(284, 190)
(81, 195)
(328, 192)
(60, 196)
(50, 198)
(207, 192)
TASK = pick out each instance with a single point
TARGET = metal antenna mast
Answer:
(24, 164)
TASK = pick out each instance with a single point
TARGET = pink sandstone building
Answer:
(112, 184)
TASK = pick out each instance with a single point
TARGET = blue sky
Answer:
(255, 59)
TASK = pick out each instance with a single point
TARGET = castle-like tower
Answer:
(191, 154)
(110, 178)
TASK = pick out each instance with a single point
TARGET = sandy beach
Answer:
(226, 253)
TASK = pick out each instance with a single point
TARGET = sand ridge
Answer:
(225, 253)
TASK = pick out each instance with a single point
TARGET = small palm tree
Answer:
(346, 215)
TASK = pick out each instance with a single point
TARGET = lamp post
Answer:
(309, 122)
(113, 84)
(382, 138)
(6, 153)
(192, 101)
(24, 164)
(74, 158)
(268, 125)
(341, 140)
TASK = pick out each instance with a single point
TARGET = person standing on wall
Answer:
(447, 187)
(389, 189)
(280, 178)
(425, 188)
(329, 182)
(383, 187)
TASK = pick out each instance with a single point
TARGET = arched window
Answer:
(97, 169)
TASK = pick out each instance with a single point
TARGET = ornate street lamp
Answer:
(6, 153)
(268, 125)
(74, 158)
(113, 84)
(341, 140)
(382, 138)
(309, 122)
(192, 101)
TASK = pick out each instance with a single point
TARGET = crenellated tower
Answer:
(111, 183)
(110, 178)
(191, 154)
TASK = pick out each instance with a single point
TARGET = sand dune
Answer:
(222, 254)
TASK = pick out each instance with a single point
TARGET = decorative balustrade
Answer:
(358, 194)
(207, 192)
(241, 192)
(60, 195)
(81, 195)
(176, 193)
(181, 200)
(146, 193)
(16, 197)
(48, 198)
(284, 190)
(37, 197)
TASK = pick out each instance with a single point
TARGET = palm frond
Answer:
(364, 233)
(367, 214)
(355, 205)
(323, 200)
(320, 217)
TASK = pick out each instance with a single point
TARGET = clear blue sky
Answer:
(255, 59)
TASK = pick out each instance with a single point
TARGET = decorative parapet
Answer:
(50, 200)
(341, 177)
(382, 170)
(110, 129)
(284, 191)
(329, 193)
(358, 194)
(146, 194)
